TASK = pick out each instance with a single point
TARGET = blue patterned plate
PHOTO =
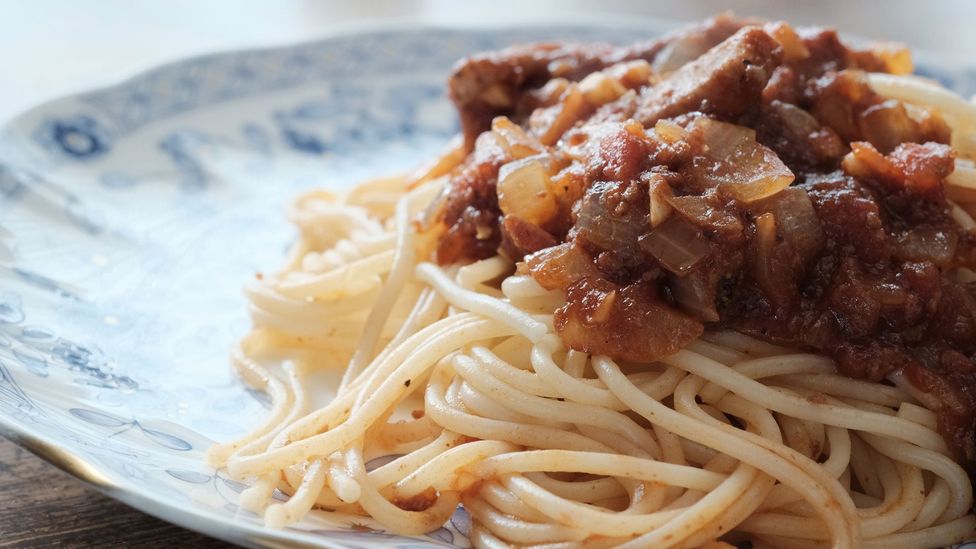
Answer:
(129, 218)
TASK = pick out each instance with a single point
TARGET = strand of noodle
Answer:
(524, 286)
(862, 465)
(345, 331)
(405, 432)
(897, 512)
(569, 387)
(915, 90)
(944, 534)
(922, 416)
(427, 311)
(583, 517)
(611, 465)
(295, 404)
(670, 444)
(403, 261)
(585, 491)
(527, 382)
(757, 418)
(663, 385)
(256, 497)
(744, 344)
(742, 385)
(481, 537)
(483, 405)
(535, 406)
(936, 502)
(261, 296)
(432, 473)
(796, 471)
(299, 504)
(701, 512)
(519, 531)
(735, 514)
(837, 385)
(344, 251)
(775, 523)
(460, 331)
(506, 502)
(474, 274)
(260, 379)
(715, 352)
(347, 220)
(335, 411)
(388, 514)
(399, 468)
(835, 465)
(575, 364)
(343, 486)
(644, 497)
(492, 308)
(342, 281)
(620, 445)
(451, 418)
(798, 436)
(930, 460)
(964, 174)
(961, 216)
(853, 403)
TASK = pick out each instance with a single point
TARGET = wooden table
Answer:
(41, 506)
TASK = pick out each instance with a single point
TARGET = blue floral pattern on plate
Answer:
(129, 216)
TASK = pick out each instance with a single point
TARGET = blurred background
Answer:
(49, 48)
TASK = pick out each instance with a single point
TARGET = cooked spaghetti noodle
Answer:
(458, 370)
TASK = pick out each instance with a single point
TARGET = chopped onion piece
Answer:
(695, 296)
(669, 131)
(514, 139)
(558, 267)
(631, 73)
(524, 190)
(598, 88)
(897, 58)
(737, 162)
(661, 195)
(765, 240)
(563, 115)
(677, 245)
(793, 47)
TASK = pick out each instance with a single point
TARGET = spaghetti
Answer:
(458, 370)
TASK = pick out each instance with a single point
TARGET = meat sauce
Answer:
(738, 175)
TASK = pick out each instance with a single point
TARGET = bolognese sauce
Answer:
(737, 175)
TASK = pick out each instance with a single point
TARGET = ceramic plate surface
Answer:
(131, 216)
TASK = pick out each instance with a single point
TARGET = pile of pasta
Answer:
(457, 371)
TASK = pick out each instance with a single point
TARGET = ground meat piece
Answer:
(629, 323)
(725, 82)
(814, 215)
(798, 138)
(471, 210)
(490, 84)
(520, 238)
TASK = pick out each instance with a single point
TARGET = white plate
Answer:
(130, 216)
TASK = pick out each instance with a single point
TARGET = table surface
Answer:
(56, 47)
(41, 506)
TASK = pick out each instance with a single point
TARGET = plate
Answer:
(130, 217)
